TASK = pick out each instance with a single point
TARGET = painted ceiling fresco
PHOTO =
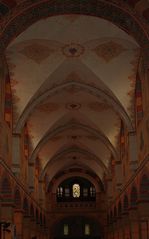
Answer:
(72, 80)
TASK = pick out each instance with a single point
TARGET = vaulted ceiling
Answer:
(73, 79)
(73, 68)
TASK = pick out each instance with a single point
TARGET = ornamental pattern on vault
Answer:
(37, 52)
(98, 106)
(109, 50)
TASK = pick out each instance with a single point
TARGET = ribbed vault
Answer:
(73, 82)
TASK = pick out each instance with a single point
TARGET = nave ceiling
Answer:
(73, 80)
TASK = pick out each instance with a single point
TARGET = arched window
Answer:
(87, 230)
(76, 190)
(67, 192)
(66, 229)
(133, 197)
(92, 192)
(60, 192)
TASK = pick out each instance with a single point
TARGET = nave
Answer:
(74, 119)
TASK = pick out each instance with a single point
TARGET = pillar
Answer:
(125, 223)
(18, 222)
(26, 227)
(143, 215)
(33, 232)
(134, 223)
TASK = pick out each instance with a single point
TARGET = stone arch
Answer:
(73, 149)
(61, 218)
(60, 166)
(29, 13)
(69, 174)
(88, 88)
(60, 129)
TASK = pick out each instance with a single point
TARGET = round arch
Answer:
(89, 218)
(30, 12)
(87, 88)
(60, 129)
(77, 174)
(73, 149)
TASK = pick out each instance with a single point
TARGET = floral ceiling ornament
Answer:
(109, 50)
(73, 106)
(37, 52)
(73, 50)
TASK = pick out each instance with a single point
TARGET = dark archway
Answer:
(79, 227)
